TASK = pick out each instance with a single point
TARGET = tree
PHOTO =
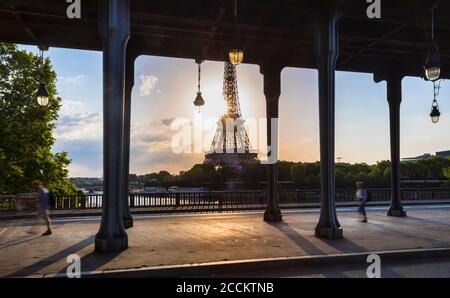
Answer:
(298, 175)
(26, 128)
(446, 172)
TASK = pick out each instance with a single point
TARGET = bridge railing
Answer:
(224, 199)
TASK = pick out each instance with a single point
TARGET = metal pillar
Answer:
(272, 92)
(394, 95)
(326, 41)
(114, 33)
(129, 83)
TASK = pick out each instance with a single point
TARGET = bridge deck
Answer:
(187, 239)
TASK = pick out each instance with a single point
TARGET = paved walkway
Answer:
(198, 238)
(200, 209)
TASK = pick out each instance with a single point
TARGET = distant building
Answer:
(417, 158)
(441, 154)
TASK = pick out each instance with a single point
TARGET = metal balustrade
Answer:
(224, 199)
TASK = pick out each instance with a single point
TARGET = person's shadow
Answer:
(33, 268)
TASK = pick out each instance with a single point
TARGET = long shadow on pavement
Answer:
(411, 235)
(297, 238)
(434, 222)
(18, 241)
(31, 269)
(93, 261)
(306, 246)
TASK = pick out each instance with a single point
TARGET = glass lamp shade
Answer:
(432, 73)
(236, 56)
(199, 102)
(433, 64)
(435, 114)
(42, 95)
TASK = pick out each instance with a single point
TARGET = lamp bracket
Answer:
(43, 48)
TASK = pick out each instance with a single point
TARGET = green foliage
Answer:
(26, 128)
(306, 175)
(302, 175)
(446, 172)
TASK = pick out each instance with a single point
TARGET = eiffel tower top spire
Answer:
(231, 144)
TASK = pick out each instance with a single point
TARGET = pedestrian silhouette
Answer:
(43, 206)
(361, 199)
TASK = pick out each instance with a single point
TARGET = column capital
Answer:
(114, 19)
(391, 74)
(133, 51)
(271, 68)
(325, 9)
(272, 80)
(326, 41)
(131, 55)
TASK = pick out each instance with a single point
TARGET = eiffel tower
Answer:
(231, 144)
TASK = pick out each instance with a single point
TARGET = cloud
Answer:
(71, 79)
(150, 136)
(75, 123)
(148, 83)
(168, 121)
(151, 148)
(78, 170)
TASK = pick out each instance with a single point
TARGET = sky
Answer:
(165, 88)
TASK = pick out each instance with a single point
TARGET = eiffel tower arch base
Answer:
(233, 159)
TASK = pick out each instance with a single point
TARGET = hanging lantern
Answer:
(432, 65)
(199, 102)
(42, 95)
(236, 56)
(435, 113)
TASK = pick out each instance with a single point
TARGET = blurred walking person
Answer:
(43, 206)
(362, 196)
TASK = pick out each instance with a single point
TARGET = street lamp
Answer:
(435, 113)
(236, 54)
(432, 65)
(42, 95)
(199, 102)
